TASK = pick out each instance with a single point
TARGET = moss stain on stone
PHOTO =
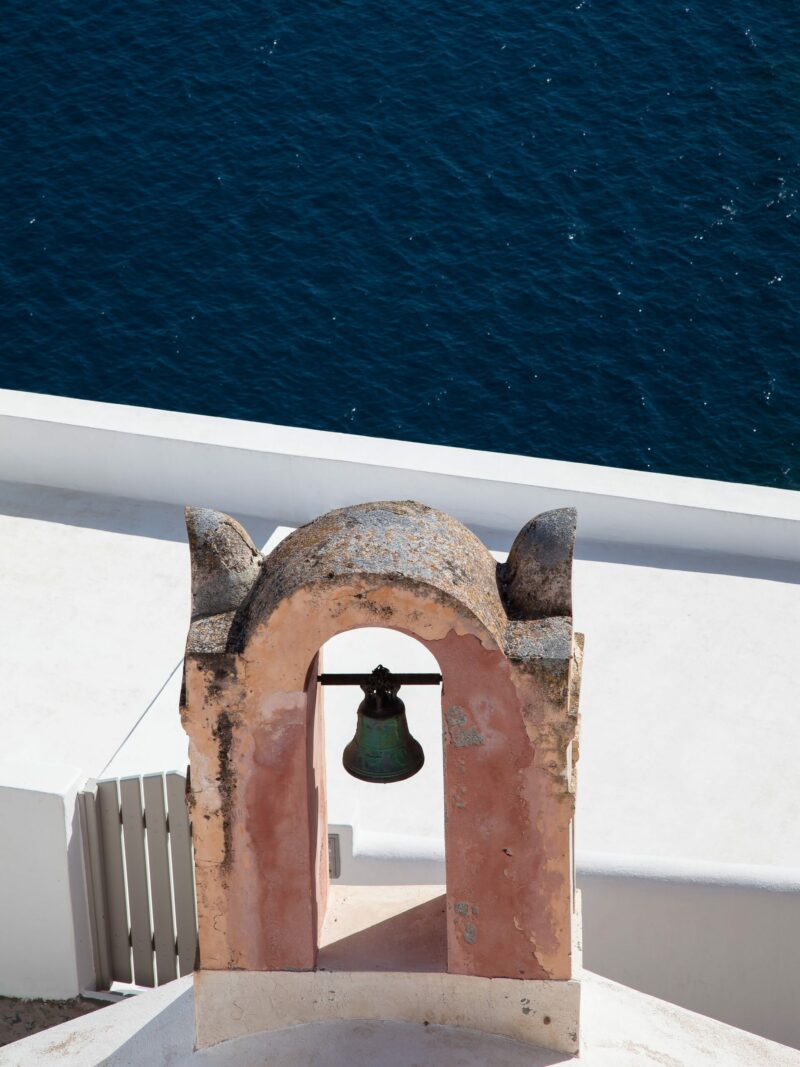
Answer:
(223, 735)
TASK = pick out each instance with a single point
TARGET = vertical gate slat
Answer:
(136, 868)
(160, 887)
(95, 885)
(182, 872)
(111, 837)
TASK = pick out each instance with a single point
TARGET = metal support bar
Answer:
(365, 679)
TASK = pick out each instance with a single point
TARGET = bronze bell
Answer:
(383, 749)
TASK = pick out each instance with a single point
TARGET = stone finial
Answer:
(225, 562)
(537, 577)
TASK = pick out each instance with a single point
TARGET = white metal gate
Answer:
(140, 878)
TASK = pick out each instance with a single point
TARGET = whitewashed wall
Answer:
(720, 939)
(45, 949)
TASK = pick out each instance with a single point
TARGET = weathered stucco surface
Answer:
(544, 1014)
(503, 639)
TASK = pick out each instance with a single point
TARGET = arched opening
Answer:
(397, 829)
(384, 835)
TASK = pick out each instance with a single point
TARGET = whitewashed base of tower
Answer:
(232, 1004)
(365, 931)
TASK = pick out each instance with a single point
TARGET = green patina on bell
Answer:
(383, 749)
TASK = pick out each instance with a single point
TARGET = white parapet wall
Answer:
(45, 948)
(295, 474)
(718, 938)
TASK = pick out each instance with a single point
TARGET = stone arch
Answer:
(502, 635)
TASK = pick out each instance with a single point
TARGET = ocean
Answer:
(565, 230)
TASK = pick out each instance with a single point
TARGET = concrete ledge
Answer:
(153, 1028)
(231, 1004)
(620, 1028)
(295, 474)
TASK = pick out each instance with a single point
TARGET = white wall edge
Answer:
(689, 872)
(294, 474)
(56, 778)
(416, 860)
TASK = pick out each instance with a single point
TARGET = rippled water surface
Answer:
(562, 229)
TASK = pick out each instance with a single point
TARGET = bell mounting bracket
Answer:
(370, 679)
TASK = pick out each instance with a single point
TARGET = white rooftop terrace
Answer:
(688, 592)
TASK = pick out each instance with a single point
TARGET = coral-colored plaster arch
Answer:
(252, 711)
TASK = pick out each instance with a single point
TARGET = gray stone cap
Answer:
(398, 541)
(401, 541)
(225, 562)
(537, 577)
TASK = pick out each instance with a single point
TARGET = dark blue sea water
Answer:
(560, 229)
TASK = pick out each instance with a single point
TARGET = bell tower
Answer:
(502, 635)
